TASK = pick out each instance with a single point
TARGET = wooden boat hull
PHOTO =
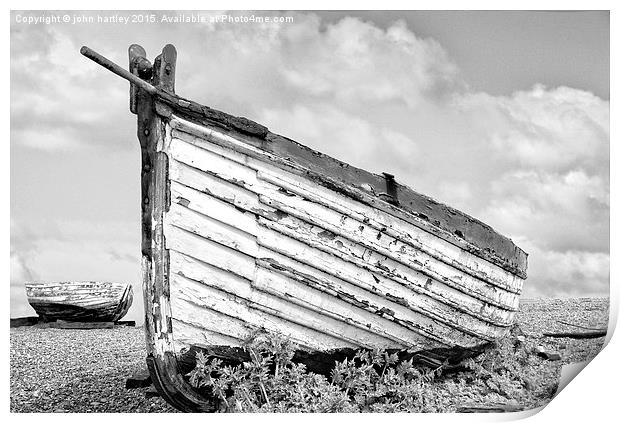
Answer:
(80, 301)
(245, 230)
(255, 246)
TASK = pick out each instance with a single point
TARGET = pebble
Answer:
(69, 370)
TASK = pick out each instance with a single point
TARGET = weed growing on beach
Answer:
(373, 381)
(272, 382)
(513, 371)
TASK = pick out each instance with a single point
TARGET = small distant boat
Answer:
(80, 301)
(246, 230)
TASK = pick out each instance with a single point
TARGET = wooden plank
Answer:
(578, 335)
(140, 379)
(63, 324)
(580, 326)
(210, 252)
(206, 227)
(188, 333)
(490, 408)
(17, 322)
(152, 392)
(231, 213)
(208, 185)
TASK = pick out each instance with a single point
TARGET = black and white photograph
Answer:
(307, 211)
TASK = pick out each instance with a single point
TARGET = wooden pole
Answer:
(114, 68)
(578, 335)
(164, 91)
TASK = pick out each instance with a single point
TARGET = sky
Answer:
(503, 115)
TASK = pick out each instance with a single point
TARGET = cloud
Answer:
(533, 164)
(548, 129)
(550, 185)
(574, 273)
(123, 256)
(563, 212)
(23, 249)
(20, 269)
(341, 134)
(57, 102)
(54, 139)
(354, 61)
